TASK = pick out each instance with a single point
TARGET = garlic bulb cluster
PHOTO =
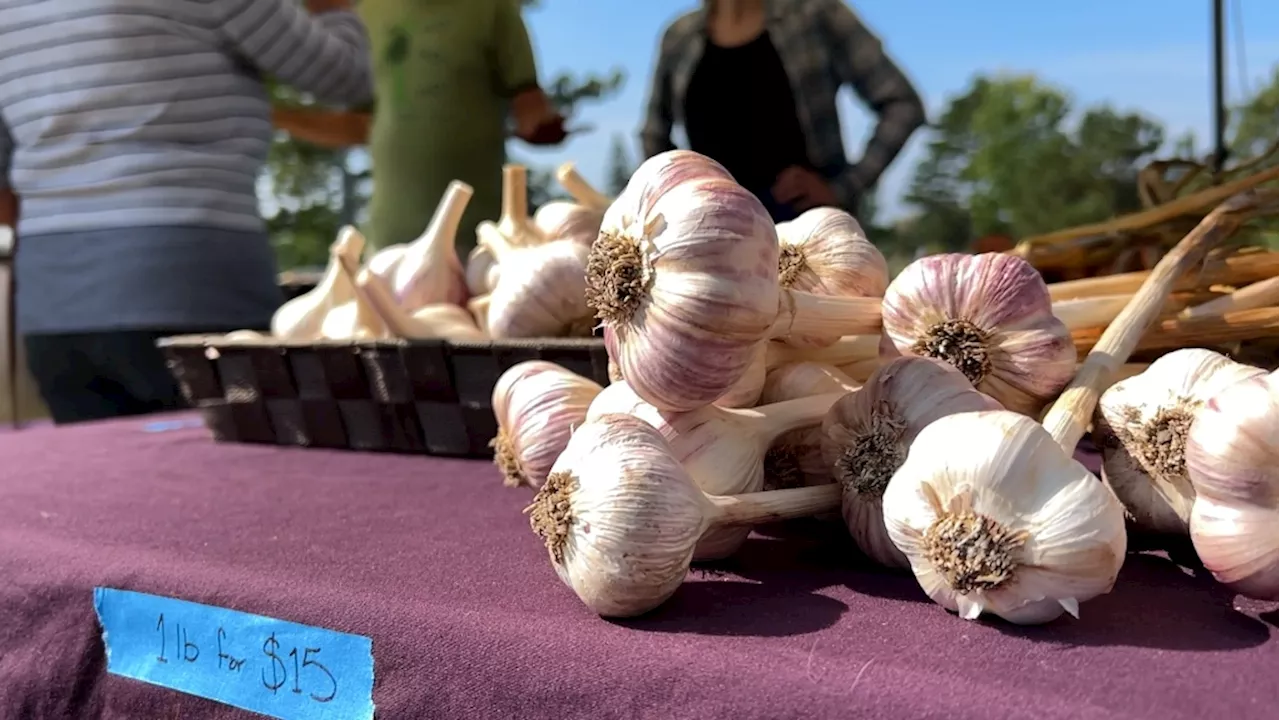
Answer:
(722, 450)
(542, 289)
(867, 434)
(994, 517)
(684, 277)
(537, 405)
(1232, 460)
(1141, 426)
(620, 516)
(991, 318)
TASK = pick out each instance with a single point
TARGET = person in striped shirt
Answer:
(132, 133)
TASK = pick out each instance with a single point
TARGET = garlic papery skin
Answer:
(866, 436)
(560, 220)
(541, 291)
(537, 404)
(1141, 427)
(1232, 460)
(825, 252)
(303, 318)
(1008, 524)
(989, 316)
(429, 270)
(478, 307)
(620, 516)
(722, 450)
(581, 190)
(804, 379)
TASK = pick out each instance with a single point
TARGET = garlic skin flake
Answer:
(1232, 458)
(1010, 526)
(990, 317)
(866, 436)
(537, 404)
(1141, 427)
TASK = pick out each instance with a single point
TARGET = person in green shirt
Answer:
(446, 73)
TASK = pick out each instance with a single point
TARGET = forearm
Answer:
(327, 128)
(898, 122)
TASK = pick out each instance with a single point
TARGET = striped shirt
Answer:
(823, 46)
(152, 115)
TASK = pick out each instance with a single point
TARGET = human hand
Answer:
(537, 122)
(803, 189)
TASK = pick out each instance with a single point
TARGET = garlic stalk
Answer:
(427, 271)
(1232, 460)
(542, 289)
(1260, 294)
(581, 190)
(559, 220)
(515, 224)
(795, 457)
(537, 404)
(620, 516)
(1141, 427)
(825, 252)
(356, 319)
(684, 276)
(722, 450)
(302, 318)
(866, 436)
(990, 317)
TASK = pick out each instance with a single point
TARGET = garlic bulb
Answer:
(620, 516)
(795, 457)
(515, 224)
(825, 252)
(722, 450)
(541, 291)
(482, 271)
(427, 271)
(559, 220)
(989, 316)
(1232, 460)
(537, 404)
(684, 276)
(581, 190)
(449, 321)
(479, 309)
(866, 436)
(994, 517)
(356, 319)
(302, 318)
(1141, 428)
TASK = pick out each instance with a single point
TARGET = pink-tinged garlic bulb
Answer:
(427, 271)
(541, 291)
(1232, 458)
(722, 450)
(684, 276)
(620, 516)
(560, 220)
(795, 458)
(867, 434)
(1141, 426)
(990, 317)
(537, 405)
(825, 252)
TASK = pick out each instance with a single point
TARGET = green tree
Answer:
(1253, 123)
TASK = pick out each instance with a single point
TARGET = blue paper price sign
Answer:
(256, 663)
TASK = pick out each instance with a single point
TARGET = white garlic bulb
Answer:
(1232, 458)
(541, 291)
(537, 404)
(482, 271)
(684, 277)
(427, 271)
(825, 252)
(723, 450)
(866, 436)
(1141, 427)
(303, 317)
(620, 516)
(994, 517)
(559, 220)
(989, 316)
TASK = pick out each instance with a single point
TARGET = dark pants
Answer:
(95, 376)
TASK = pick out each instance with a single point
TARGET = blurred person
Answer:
(447, 75)
(754, 84)
(132, 133)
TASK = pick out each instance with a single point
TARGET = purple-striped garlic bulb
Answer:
(722, 450)
(825, 252)
(867, 433)
(537, 405)
(541, 289)
(684, 277)
(990, 317)
(1232, 459)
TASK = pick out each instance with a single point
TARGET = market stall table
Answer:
(433, 560)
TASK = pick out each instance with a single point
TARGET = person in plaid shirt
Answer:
(754, 84)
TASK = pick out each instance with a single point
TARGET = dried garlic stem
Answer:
(581, 190)
(809, 315)
(1067, 419)
(1237, 269)
(1258, 295)
(848, 349)
(770, 506)
(515, 224)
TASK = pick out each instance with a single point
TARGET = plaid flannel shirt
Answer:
(823, 45)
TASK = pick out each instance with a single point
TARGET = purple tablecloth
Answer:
(433, 560)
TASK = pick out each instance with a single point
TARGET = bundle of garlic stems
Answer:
(990, 509)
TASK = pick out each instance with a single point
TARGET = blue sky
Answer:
(1148, 55)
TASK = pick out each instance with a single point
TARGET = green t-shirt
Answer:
(444, 71)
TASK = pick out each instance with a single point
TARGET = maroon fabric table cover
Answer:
(433, 560)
